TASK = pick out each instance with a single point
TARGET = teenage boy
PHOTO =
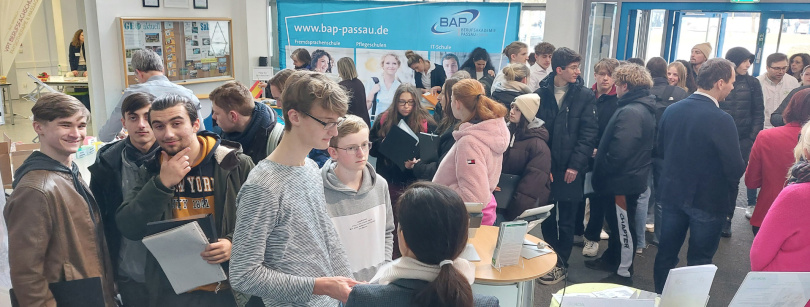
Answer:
(286, 249)
(775, 87)
(356, 194)
(622, 167)
(112, 175)
(245, 121)
(53, 220)
(568, 110)
(193, 172)
(542, 64)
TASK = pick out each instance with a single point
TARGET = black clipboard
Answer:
(428, 147)
(399, 146)
(85, 292)
(206, 222)
(508, 184)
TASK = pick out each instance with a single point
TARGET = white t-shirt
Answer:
(384, 96)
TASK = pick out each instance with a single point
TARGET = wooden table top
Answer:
(484, 241)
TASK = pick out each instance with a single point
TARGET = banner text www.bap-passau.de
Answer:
(334, 30)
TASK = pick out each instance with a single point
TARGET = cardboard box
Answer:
(12, 155)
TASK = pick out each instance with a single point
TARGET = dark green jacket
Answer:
(151, 201)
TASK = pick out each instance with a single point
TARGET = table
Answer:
(522, 276)
(5, 91)
(62, 81)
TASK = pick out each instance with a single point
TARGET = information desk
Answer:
(66, 81)
(521, 276)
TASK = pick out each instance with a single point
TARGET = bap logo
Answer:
(449, 23)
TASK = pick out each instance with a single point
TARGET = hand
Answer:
(435, 90)
(218, 252)
(262, 84)
(594, 153)
(570, 175)
(551, 177)
(75, 73)
(335, 287)
(410, 164)
(497, 189)
(374, 89)
(174, 169)
(491, 72)
(85, 74)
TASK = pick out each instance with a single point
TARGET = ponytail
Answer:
(470, 93)
(450, 288)
(515, 72)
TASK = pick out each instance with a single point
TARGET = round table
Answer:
(522, 274)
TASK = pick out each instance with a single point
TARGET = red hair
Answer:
(470, 93)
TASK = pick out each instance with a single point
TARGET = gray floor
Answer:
(731, 259)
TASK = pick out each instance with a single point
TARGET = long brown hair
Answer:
(77, 42)
(435, 237)
(448, 120)
(415, 119)
(470, 93)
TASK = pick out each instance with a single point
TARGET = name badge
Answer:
(78, 54)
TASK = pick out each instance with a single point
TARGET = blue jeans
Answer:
(658, 166)
(704, 236)
(644, 201)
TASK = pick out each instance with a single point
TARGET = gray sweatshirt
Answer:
(363, 219)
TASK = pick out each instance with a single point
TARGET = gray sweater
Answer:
(363, 219)
(283, 238)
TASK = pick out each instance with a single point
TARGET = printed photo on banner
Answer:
(382, 71)
(324, 59)
(453, 61)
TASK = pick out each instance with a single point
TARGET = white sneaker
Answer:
(650, 227)
(749, 211)
(590, 249)
(604, 235)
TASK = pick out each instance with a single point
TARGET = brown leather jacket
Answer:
(53, 238)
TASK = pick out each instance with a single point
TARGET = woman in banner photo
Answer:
(428, 77)
(380, 91)
(479, 65)
(76, 57)
(321, 61)
(301, 59)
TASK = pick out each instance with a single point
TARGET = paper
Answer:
(688, 286)
(582, 301)
(470, 253)
(531, 251)
(773, 289)
(510, 243)
(260, 73)
(368, 225)
(404, 126)
(620, 292)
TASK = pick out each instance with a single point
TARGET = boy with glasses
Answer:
(285, 247)
(774, 84)
(356, 196)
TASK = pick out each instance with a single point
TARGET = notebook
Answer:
(508, 184)
(428, 147)
(206, 222)
(75, 293)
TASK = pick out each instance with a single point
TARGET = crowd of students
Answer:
(672, 138)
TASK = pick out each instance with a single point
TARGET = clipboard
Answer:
(85, 292)
(428, 147)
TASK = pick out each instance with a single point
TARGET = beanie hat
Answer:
(737, 55)
(706, 48)
(528, 105)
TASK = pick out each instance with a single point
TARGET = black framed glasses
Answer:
(402, 103)
(326, 126)
(353, 149)
(783, 68)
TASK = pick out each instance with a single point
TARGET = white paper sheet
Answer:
(773, 289)
(363, 237)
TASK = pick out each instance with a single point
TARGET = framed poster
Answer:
(151, 3)
(201, 4)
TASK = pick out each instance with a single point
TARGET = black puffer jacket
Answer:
(573, 127)
(624, 156)
(658, 91)
(745, 104)
(528, 156)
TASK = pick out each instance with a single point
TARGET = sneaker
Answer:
(604, 235)
(749, 211)
(590, 249)
(556, 275)
(650, 228)
(726, 233)
(639, 251)
(600, 264)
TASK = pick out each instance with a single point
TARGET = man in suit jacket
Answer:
(702, 165)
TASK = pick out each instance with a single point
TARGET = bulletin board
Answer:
(194, 50)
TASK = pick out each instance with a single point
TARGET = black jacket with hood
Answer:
(745, 103)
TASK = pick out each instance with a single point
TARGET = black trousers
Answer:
(598, 204)
(558, 230)
(620, 214)
(133, 294)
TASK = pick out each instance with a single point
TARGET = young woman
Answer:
(691, 83)
(781, 245)
(356, 90)
(380, 91)
(428, 77)
(797, 63)
(406, 107)
(528, 155)
(771, 156)
(447, 124)
(429, 272)
(516, 77)
(676, 75)
(301, 59)
(321, 61)
(76, 57)
(472, 167)
(478, 64)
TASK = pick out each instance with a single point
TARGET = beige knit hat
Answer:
(706, 48)
(528, 105)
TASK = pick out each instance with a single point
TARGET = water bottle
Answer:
(60, 72)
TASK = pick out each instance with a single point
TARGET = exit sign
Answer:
(744, 1)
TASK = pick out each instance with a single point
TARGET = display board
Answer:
(194, 50)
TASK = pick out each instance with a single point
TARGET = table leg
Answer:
(525, 294)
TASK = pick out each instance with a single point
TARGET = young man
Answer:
(193, 172)
(542, 64)
(286, 249)
(774, 84)
(606, 105)
(699, 54)
(148, 67)
(53, 220)
(113, 175)
(515, 52)
(622, 167)
(568, 110)
(702, 165)
(745, 105)
(244, 121)
(354, 194)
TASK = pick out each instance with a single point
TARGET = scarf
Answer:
(40, 161)
(135, 156)
(259, 119)
(410, 268)
(799, 172)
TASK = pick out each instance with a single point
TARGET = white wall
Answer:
(563, 23)
(38, 53)
(105, 61)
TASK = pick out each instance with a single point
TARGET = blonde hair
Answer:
(77, 41)
(305, 89)
(606, 64)
(515, 72)
(681, 74)
(346, 68)
(413, 58)
(804, 143)
(352, 124)
(470, 93)
(396, 57)
(514, 48)
(634, 75)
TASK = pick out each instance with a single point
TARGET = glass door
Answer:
(786, 33)
(600, 37)
(696, 28)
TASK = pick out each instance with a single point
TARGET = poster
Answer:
(131, 35)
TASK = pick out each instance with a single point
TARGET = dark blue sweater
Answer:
(701, 152)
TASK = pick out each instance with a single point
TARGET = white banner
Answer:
(13, 32)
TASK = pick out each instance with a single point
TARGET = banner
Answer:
(377, 34)
(13, 32)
